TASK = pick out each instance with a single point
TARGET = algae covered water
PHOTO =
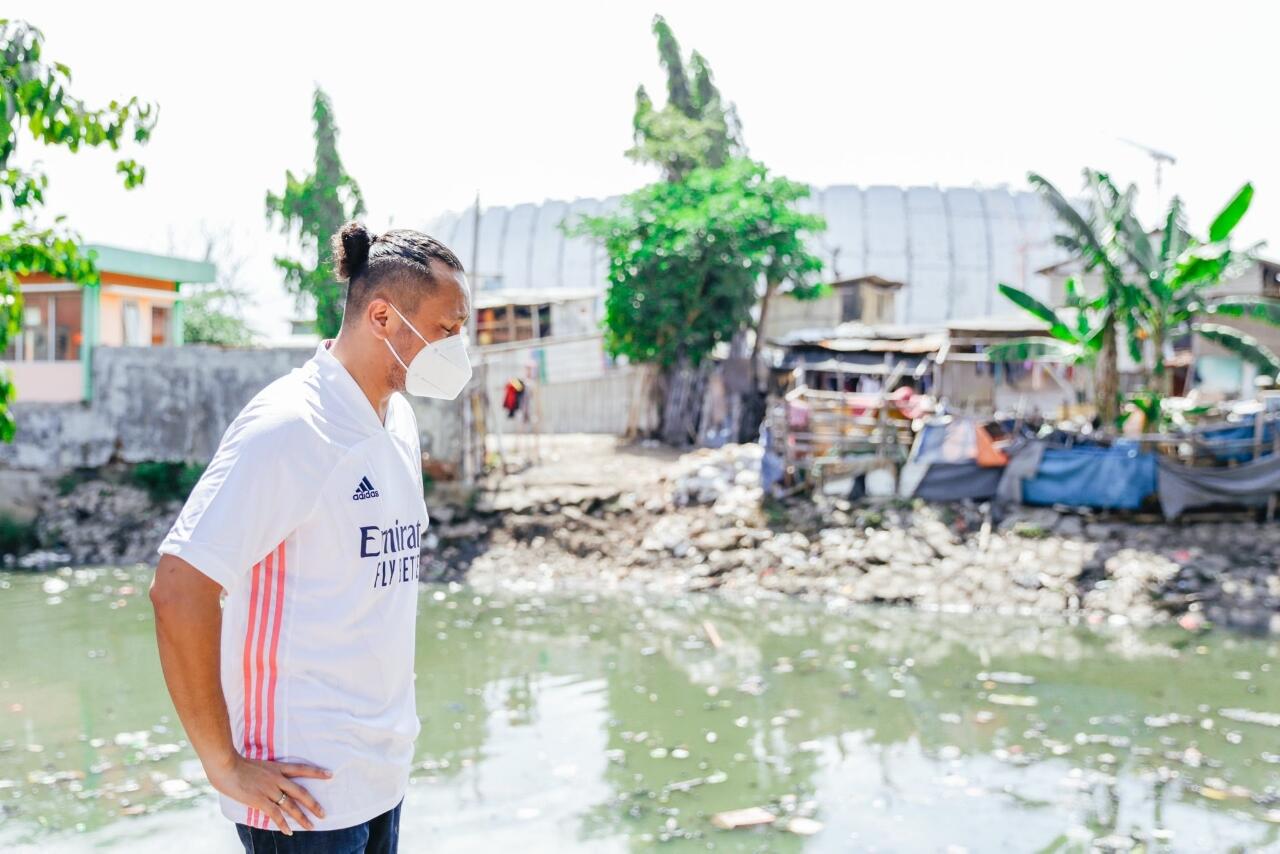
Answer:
(591, 722)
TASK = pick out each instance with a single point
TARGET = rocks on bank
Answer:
(705, 526)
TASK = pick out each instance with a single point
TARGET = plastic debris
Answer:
(748, 817)
(802, 826)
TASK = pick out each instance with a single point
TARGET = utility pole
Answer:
(475, 264)
(1160, 158)
(469, 437)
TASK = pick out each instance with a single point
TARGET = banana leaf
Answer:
(1245, 346)
(1254, 308)
(1037, 309)
(1231, 215)
(1025, 349)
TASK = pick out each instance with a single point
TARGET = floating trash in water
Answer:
(1247, 716)
(748, 817)
(176, 788)
(1012, 700)
(1006, 677)
(133, 739)
(54, 586)
(802, 826)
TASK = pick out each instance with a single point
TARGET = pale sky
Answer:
(528, 101)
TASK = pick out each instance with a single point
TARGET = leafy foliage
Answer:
(37, 104)
(214, 313)
(313, 208)
(1173, 286)
(166, 481)
(685, 258)
(1077, 343)
(695, 128)
(1155, 286)
(1242, 344)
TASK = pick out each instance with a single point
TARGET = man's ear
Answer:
(379, 314)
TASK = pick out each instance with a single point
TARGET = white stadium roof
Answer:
(950, 246)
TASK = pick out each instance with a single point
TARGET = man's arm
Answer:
(188, 633)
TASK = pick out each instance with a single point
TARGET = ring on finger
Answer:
(283, 796)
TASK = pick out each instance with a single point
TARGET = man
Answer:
(310, 516)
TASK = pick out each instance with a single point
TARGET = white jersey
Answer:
(311, 515)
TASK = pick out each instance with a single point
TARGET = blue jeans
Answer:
(378, 835)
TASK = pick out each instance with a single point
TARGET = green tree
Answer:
(1090, 238)
(214, 313)
(1173, 295)
(1075, 337)
(313, 209)
(686, 258)
(1155, 285)
(695, 127)
(37, 104)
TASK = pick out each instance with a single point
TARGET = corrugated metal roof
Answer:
(950, 246)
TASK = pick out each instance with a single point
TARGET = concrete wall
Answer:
(172, 404)
(43, 382)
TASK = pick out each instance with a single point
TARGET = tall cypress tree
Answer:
(313, 209)
(695, 128)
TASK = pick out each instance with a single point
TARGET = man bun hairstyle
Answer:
(395, 264)
(351, 249)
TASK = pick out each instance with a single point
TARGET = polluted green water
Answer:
(580, 722)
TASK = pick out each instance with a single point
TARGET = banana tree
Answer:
(1074, 338)
(1175, 278)
(1091, 238)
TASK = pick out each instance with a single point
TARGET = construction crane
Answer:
(1160, 158)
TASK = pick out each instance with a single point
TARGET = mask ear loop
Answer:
(408, 324)
(415, 332)
(396, 355)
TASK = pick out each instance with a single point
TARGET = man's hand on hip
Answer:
(259, 783)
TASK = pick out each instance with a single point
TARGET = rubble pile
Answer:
(101, 522)
(707, 526)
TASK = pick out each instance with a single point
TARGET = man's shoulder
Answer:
(282, 414)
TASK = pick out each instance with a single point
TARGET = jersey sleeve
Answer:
(258, 488)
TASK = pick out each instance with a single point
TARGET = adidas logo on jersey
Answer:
(364, 490)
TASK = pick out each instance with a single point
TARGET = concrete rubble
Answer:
(702, 524)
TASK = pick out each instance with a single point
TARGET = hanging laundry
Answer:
(512, 396)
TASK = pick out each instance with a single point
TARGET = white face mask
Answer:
(440, 369)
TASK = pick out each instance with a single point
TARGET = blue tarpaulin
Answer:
(1116, 478)
(1238, 441)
